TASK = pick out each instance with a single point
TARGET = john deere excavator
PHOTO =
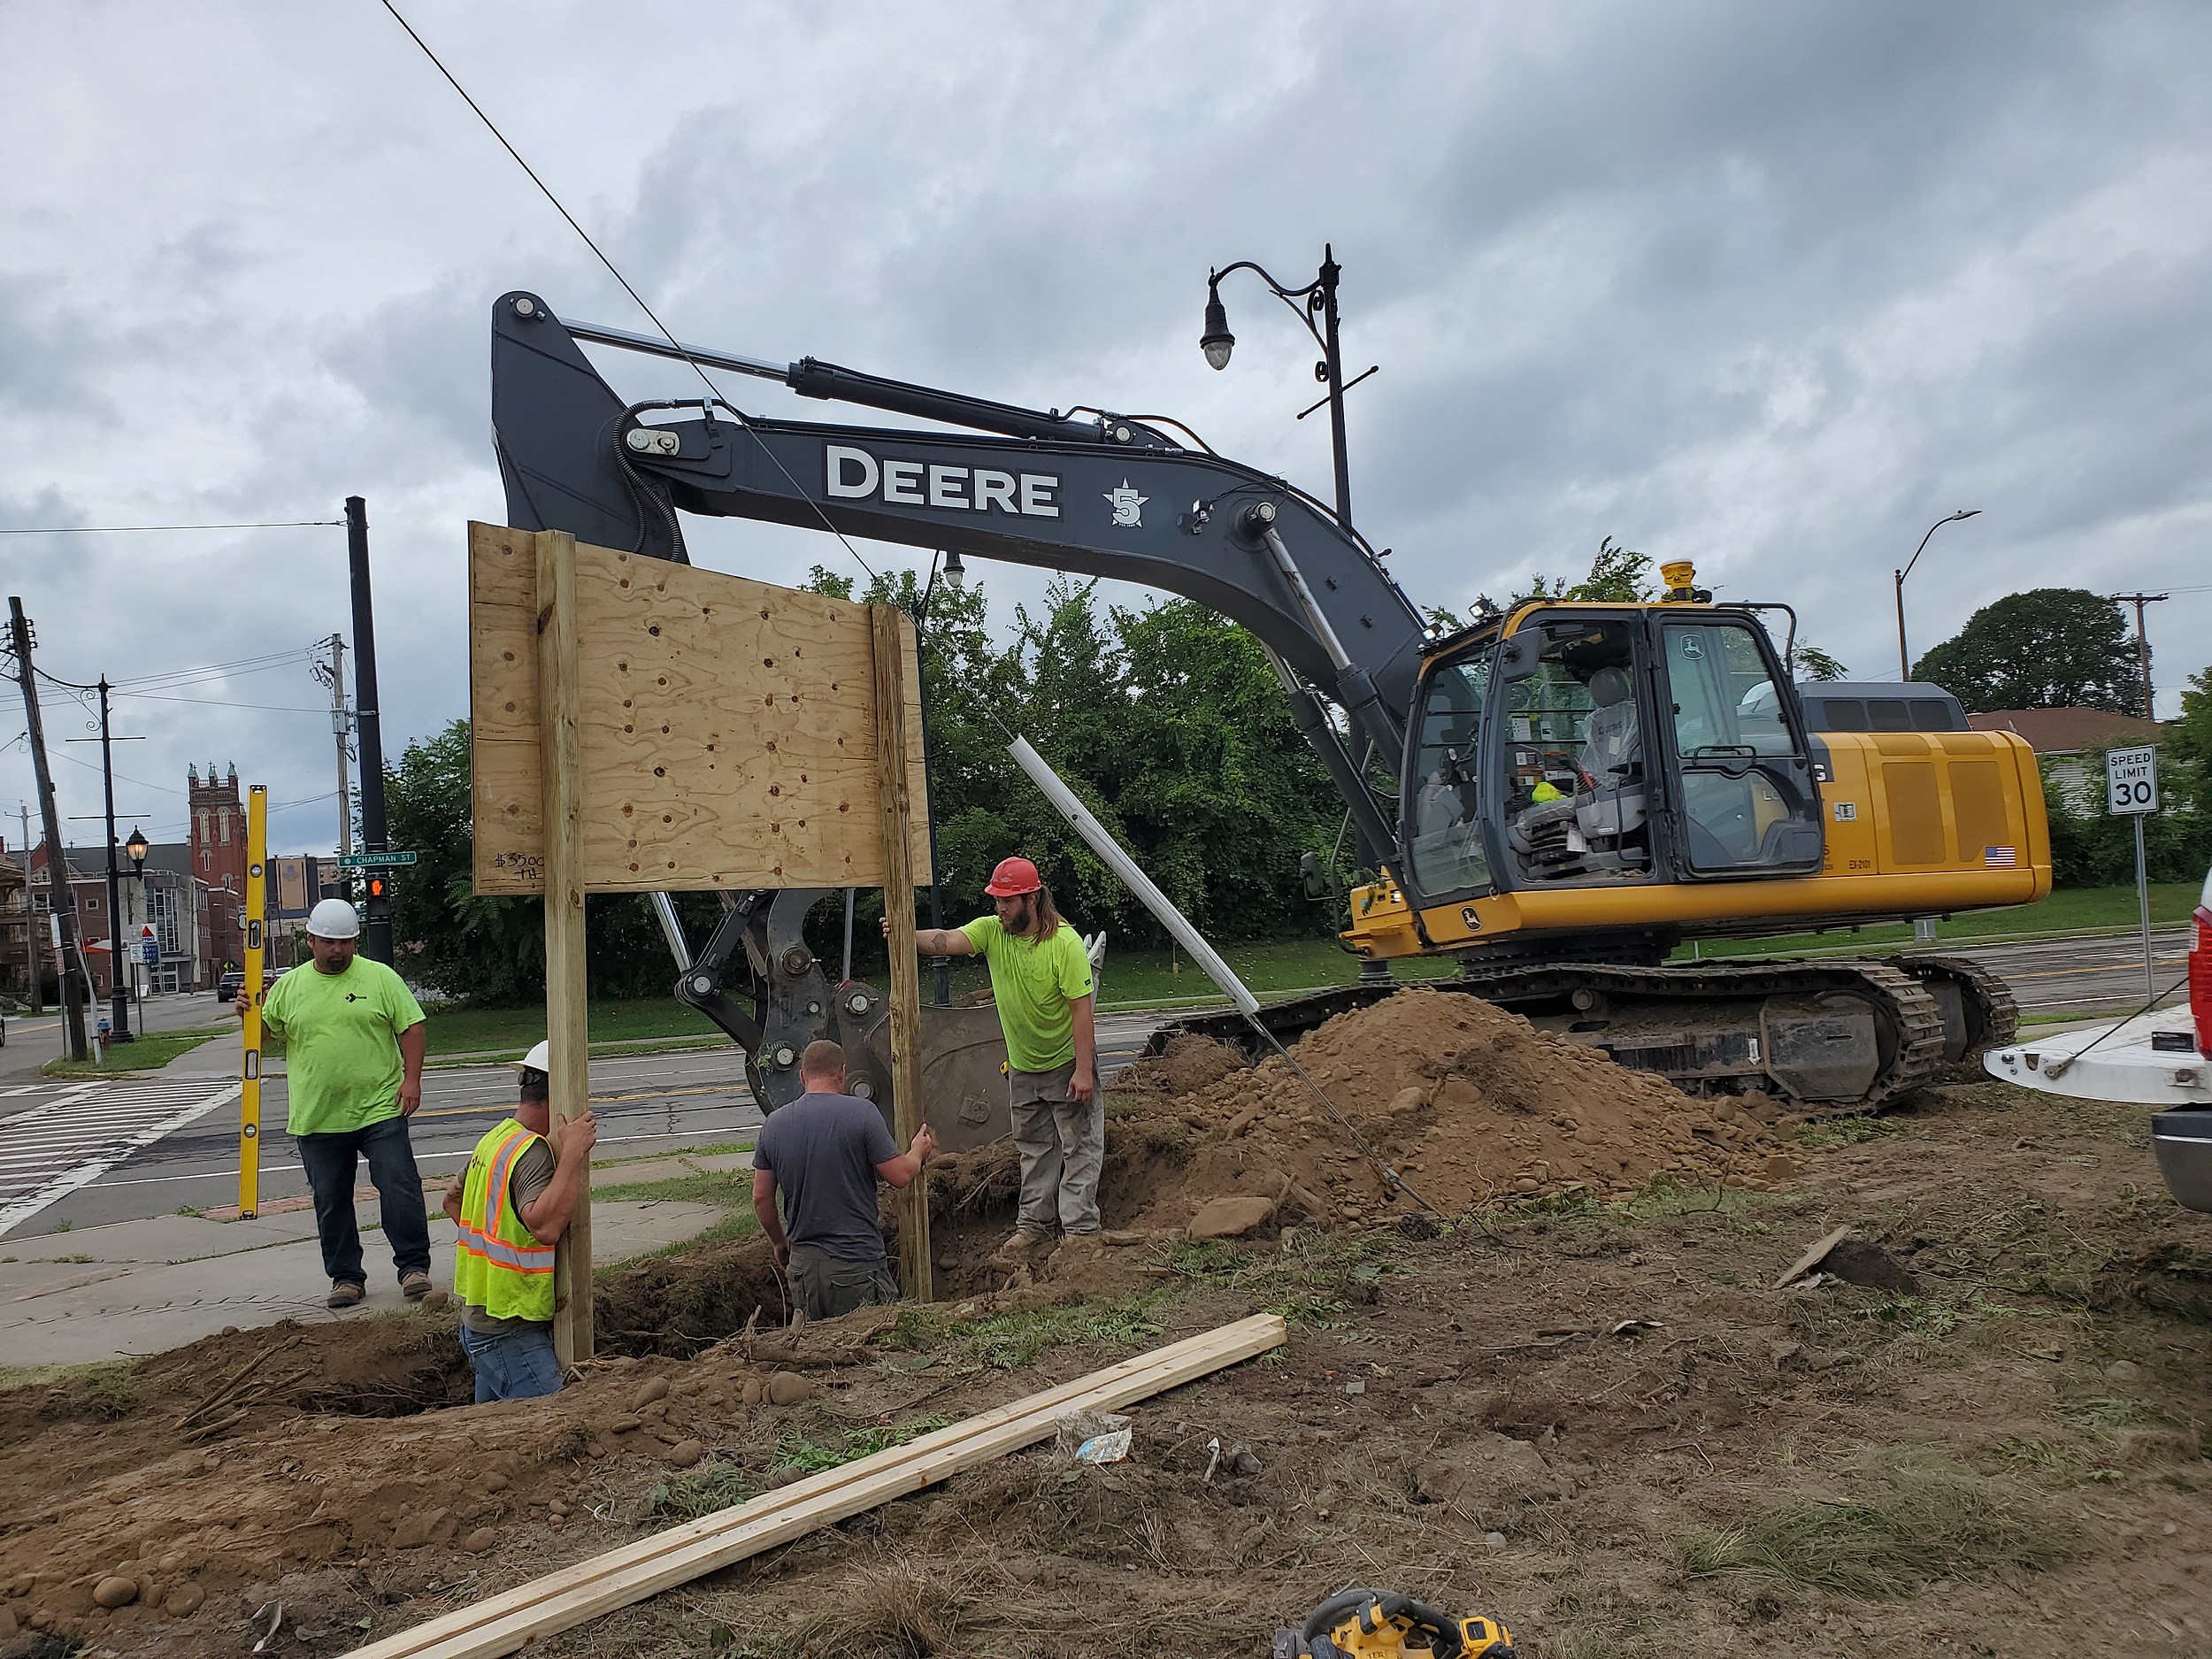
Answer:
(1579, 788)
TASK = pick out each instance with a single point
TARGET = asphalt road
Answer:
(644, 1104)
(114, 1150)
(2087, 976)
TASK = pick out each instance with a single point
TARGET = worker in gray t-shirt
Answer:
(825, 1151)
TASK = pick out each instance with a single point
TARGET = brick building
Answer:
(219, 859)
(168, 897)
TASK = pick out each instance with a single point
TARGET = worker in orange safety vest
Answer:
(511, 1205)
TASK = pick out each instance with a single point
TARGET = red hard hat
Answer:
(1013, 876)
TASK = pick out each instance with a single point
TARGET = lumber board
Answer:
(562, 1600)
(915, 1271)
(728, 727)
(567, 1016)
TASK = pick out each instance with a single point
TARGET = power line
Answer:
(136, 529)
(218, 702)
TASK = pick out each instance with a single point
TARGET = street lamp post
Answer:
(1904, 660)
(1317, 298)
(137, 848)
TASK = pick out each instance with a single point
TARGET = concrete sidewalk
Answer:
(141, 1287)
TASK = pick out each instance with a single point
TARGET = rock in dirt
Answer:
(183, 1600)
(115, 1591)
(684, 1454)
(7, 1624)
(1488, 1468)
(1869, 1266)
(788, 1387)
(2123, 1370)
(437, 1298)
(656, 1389)
(1230, 1217)
(479, 1541)
(429, 1528)
(754, 1391)
(1812, 1258)
(622, 1424)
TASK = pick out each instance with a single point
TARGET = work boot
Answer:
(343, 1294)
(414, 1285)
(1026, 1245)
(1082, 1247)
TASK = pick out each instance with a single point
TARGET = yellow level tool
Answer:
(257, 948)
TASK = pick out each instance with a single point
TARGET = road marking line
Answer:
(136, 1134)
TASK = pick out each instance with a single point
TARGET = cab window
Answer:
(1574, 800)
(1444, 845)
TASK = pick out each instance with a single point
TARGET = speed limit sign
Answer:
(2130, 780)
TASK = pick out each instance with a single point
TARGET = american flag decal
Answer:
(1999, 858)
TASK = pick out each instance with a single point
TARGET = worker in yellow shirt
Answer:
(511, 1204)
(1040, 981)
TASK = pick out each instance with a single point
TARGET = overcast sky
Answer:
(1773, 288)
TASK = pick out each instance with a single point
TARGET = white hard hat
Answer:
(333, 918)
(538, 1059)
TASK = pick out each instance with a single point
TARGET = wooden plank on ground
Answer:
(562, 1599)
(727, 728)
(567, 1018)
(887, 626)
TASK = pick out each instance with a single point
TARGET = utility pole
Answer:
(64, 908)
(119, 997)
(2142, 643)
(341, 727)
(30, 924)
(378, 944)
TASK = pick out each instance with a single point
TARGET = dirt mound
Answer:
(1469, 1102)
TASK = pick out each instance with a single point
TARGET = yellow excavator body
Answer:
(1917, 824)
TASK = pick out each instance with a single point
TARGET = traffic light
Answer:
(379, 887)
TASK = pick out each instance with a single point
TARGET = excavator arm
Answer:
(1108, 496)
(1102, 495)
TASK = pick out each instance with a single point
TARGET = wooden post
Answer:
(887, 638)
(567, 1028)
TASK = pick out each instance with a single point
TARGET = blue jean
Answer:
(516, 1364)
(329, 1161)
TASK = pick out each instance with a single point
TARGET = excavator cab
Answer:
(1608, 745)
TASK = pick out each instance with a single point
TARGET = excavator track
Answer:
(1822, 1038)
(1979, 1011)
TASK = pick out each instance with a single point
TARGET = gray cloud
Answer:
(1770, 287)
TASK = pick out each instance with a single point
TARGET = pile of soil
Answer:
(1470, 1103)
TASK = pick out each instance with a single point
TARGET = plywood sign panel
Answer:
(729, 734)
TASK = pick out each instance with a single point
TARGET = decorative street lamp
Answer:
(1317, 298)
(137, 848)
(1904, 662)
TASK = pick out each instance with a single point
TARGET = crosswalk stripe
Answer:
(49, 1150)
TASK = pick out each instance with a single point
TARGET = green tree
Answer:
(2049, 647)
(492, 950)
(1618, 576)
(1815, 664)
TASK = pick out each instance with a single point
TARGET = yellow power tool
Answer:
(1363, 1624)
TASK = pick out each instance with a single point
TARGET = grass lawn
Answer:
(1138, 977)
(147, 1054)
(2068, 910)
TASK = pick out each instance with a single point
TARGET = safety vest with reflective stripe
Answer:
(498, 1265)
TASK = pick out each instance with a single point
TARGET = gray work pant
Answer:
(827, 1286)
(1063, 1147)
